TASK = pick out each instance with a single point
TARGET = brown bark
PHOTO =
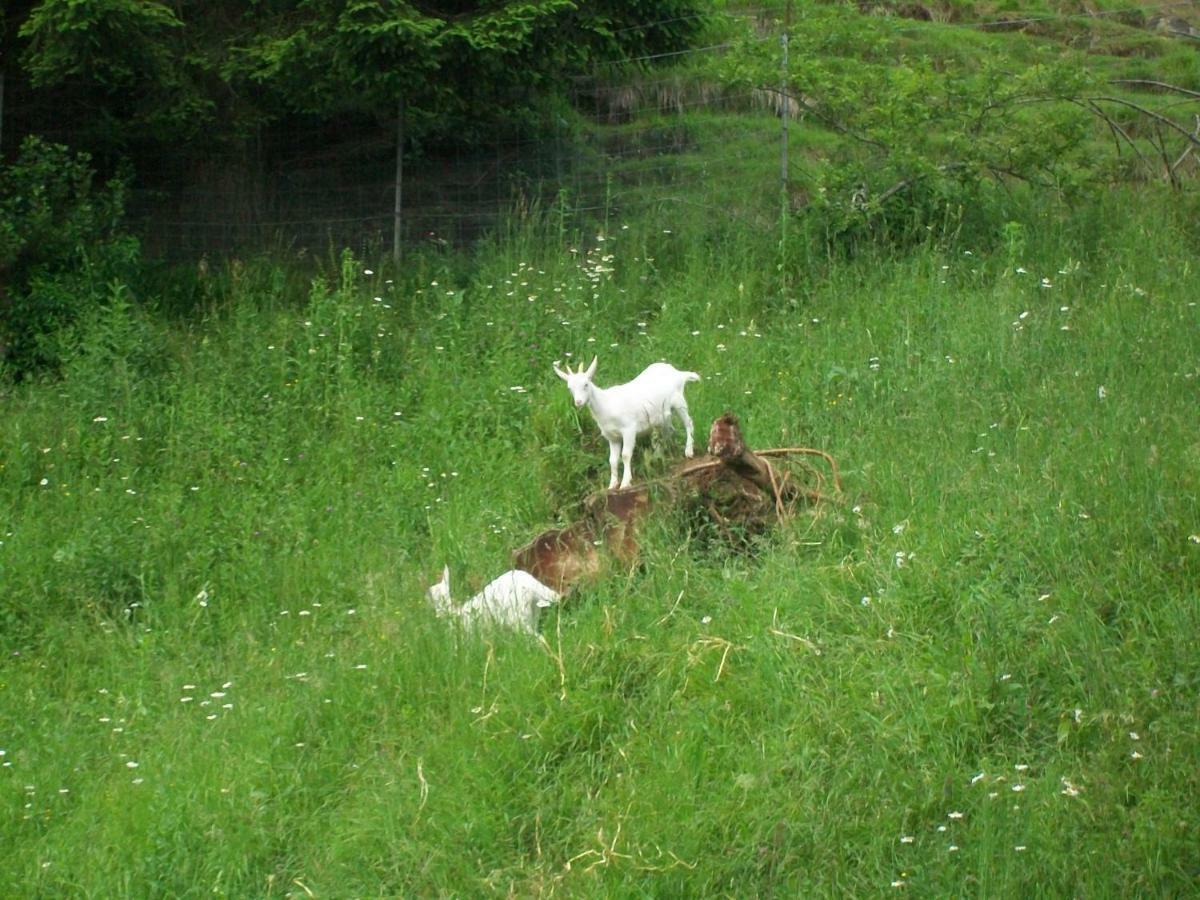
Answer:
(739, 489)
(725, 442)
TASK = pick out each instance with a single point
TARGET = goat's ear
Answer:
(591, 370)
(560, 373)
(446, 576)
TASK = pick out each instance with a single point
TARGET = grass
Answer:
(976, 675)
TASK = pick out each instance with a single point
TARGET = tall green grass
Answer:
(974, 674)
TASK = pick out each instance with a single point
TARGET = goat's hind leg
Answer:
(628, 441)
(681, 410)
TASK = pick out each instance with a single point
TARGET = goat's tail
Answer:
(690, 376)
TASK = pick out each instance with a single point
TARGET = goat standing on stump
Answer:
(512, 600)
(626, 410)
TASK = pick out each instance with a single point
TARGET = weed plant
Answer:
(974, 674)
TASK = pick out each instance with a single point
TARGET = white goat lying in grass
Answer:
(512, 600)
(624, 411)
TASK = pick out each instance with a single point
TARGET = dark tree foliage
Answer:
(61, 243)
(130, 77)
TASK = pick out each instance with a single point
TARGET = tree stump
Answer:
(725, 442)
(735, 488)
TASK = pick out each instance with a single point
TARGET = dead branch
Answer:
(909, 182)
(832, 123)
(1158, 117)
(1117, 129)
(1186, 150)
(1161, 146)
(807, 451)
(1161, 85)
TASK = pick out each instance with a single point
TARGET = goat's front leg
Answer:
(614, 453)
(628, 440)
(689, 449)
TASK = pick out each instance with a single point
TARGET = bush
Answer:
(61, 245)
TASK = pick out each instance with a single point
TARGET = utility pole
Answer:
(398, 204)
(786, 114)
(784, 98)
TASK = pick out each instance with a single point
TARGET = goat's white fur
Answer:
(624, 411)
(512, 600)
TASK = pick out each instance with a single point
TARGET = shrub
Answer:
(61, 245)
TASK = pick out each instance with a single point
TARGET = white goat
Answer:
(512, 600)
(624, 411)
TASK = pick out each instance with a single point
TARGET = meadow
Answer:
(972, 674)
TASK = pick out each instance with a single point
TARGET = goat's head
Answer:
(439, 594)
(578, 382)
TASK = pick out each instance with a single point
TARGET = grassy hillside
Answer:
(972, 674)
(904, 120)
(976, 674)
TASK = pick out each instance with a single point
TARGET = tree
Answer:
(117, 44)
(60, 242)
(128, 72)
(928, 133)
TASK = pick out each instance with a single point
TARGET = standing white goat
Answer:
(624, 411)
(512, 600)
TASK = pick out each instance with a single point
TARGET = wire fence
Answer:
(639, 142)
(627, 148)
